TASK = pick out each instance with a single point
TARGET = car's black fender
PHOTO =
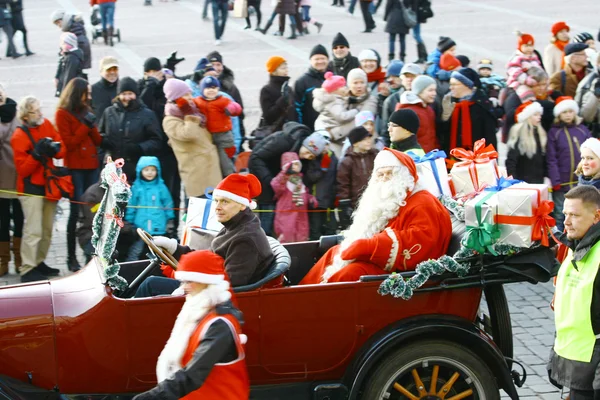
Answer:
(409, 331)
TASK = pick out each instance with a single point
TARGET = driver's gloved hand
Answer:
(166, 243)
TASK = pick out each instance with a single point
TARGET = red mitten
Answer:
(556, 188)
(376, 250)
(325, 161)
(230, 151)
(168, 271)
(234, 109)
(183, 105)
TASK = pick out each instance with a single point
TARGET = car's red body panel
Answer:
(74, 335)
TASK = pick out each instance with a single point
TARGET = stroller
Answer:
(96, 21)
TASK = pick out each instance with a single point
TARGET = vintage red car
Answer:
(75, 336)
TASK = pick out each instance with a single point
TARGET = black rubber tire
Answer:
(500, 319)
(400, 362)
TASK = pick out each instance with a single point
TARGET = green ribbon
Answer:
(481, 237)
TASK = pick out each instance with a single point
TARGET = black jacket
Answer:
(303, 89)
(70, 65)
(76, 26)
(153, 96)
(530, 170)
(217, 346)
(276, 109)
(16, 6)
(394, 16)
(511, 104)
(130, 133)
(265, 159)
(321, 181)
(103, 94)
(228, 86)
(341, 66)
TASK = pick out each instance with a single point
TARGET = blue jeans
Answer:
(402, 41)
(559, 201)
(107, 13)
(416, 32)
(219, 7)
(352, 6)
(205, 9)
(155, 286)
(267, 218)
(306, 13)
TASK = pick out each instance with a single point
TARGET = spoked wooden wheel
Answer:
(432, 370)
(164, 255)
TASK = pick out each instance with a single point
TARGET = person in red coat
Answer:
(30, 158)
(396, 226)
(204, 358)
(76, 125)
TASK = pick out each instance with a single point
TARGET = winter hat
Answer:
(467, 77)
(57, 15)
(320, 50)
(357, 73)
(485, 63)
(407, 119)
(367, 54)
(394, 158)
(574, 48)
(421, 83)
(201, 266)
(209, 82)
(524, 38)
(445, 44)
(411, 68)
(464, 60)
(564, 103)
(202, 63)
(315, 143)
(333, 82)
(273, 63)
(357, 134)
(363, 117)
(239, 188)
(108, 62)
(449, 63)
(127, 84)
(394, 68)
(582, 37)
(215, 56)
(527, 109)
(69, 39)
(175, 88)
(339, 40)
(559, 26)
(593, 144)
(152, 64)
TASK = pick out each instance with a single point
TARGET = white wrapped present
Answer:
(432, 172)
(200, 215)
(475, 169)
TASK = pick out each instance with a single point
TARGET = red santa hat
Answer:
(394, 158)
(201, 266)
(239, 188)
(564, 103)
(528, 109)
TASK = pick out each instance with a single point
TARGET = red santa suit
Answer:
(421, 230)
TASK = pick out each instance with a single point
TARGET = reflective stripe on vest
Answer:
(575, 336)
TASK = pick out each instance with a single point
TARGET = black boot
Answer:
(402, 57)
(390, 57)
(422, 53)
(105, 36)
(110, 36)
(72, 263)
(266, 28)
(26, 45)
(293, 35)
(319, 26)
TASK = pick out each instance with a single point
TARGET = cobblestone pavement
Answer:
(481, 29)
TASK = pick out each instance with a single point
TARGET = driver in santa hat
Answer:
(396, 225)
(204, 357)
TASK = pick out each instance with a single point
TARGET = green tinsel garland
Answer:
(455, 207)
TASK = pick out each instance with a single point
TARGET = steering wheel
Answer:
(164, 255)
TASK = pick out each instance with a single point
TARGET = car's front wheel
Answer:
(432, 370)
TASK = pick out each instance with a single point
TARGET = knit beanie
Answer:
(559, 26)
(339, 40)
(127, 84)
(464, 60)
(357, 134)
(583, 37)
(69, 39)
(467, 77)
(363, 117)
(273, 63)
(209, 82)
(152, 64)
(315, 143)
(524, 38)
(445, 44)
(357, 73)
(367, 54)
(485, 63)
(421, 83)
(564, 103)
(593, 144)
(394, 68)
(449, 63)
(320, 50)
(215, 56)
(57, 15)
(574, 48)
(407, 119)
(333, 82)
(175, 88)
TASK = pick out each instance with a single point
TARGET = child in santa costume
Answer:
(204, 357)
(396, 226)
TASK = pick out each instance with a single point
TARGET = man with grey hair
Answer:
(575, 69)
(35, 144)
(74, 23)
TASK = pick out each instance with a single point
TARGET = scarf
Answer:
(376, 76)
(8, 111)
(173, 110)
(561, 46)
(341, 63)
(297, 189)
(462, 108)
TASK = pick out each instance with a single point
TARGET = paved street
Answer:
(481, 28)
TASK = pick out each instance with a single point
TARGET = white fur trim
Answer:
(232, 196)
(593, 144)
(243, 338)
(394, 251)
(565, 105)
(531, 109)
(198, 277)
(386, 159)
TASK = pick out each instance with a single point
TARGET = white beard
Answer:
(194, 309)
(379, 203)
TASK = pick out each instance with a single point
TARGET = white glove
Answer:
(166, 243)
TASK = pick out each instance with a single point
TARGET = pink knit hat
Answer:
(333, 82)
(175, 88)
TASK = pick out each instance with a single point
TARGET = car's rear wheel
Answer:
(432, 370)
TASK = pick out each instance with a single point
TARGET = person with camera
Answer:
(35, 144)
(76, 124)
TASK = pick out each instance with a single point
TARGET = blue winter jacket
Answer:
(433, 70)
(152, 194)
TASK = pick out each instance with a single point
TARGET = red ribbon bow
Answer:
(543, 223)
(117, 219)
(481, 154)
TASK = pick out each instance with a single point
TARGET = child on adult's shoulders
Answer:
(491, 83)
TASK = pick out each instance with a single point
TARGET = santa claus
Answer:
(204, 357)
(396, 225)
